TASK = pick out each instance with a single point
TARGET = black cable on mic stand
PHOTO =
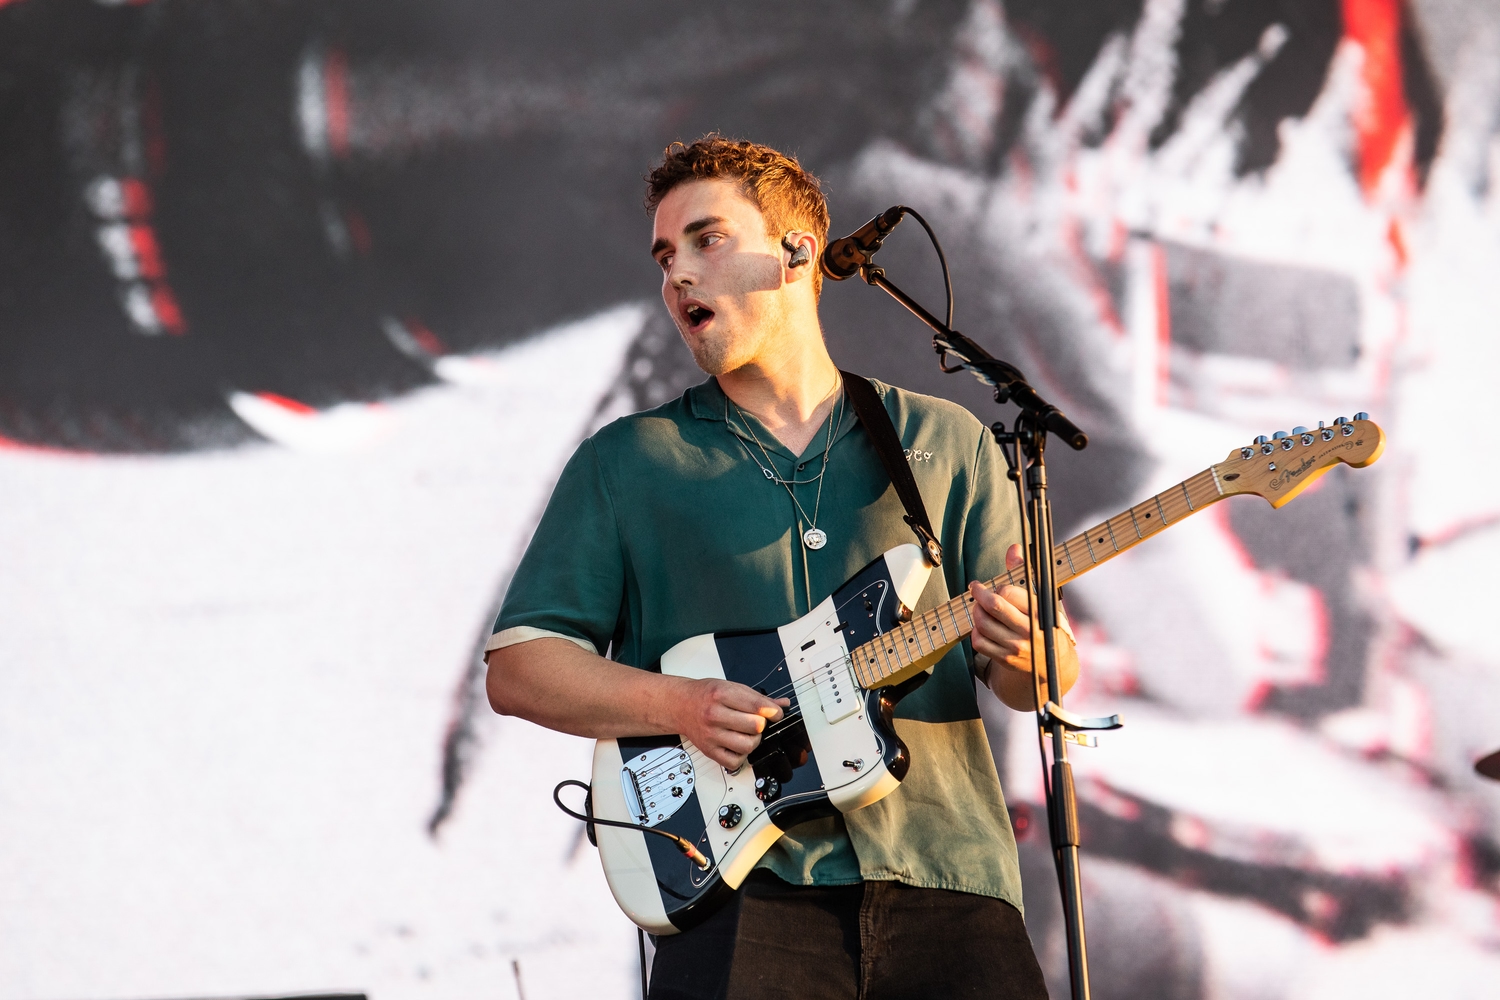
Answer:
(1024, 448)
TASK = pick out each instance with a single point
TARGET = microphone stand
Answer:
(1024, 448)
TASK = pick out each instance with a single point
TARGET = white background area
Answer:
(225, 687)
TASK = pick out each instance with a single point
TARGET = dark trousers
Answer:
(875, 941)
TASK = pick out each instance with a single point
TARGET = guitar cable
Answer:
(589, 821)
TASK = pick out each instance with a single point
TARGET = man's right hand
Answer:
(725, 720)
(556, 683)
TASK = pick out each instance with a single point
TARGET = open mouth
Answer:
(697, 316)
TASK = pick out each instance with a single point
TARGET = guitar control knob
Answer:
(767, 789)
(730, 816)
(1361, 415)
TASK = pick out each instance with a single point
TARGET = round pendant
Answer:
(815, 538)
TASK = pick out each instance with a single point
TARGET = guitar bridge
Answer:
(656, 784)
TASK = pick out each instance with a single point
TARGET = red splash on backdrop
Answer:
(336, 101)
(291, 405)
(1376, 26)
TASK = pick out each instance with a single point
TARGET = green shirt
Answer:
(663, 526)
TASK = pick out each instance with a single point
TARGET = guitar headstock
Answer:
(1281, 466)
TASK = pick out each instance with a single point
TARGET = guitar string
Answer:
(1167, 499)
(802, 686)
(1163, 501)
(789, 716)
(1180, 507)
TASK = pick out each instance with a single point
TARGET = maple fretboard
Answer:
(927, 636)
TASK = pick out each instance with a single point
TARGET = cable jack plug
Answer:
(694, 855)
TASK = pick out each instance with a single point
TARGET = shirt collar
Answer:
(707, 401)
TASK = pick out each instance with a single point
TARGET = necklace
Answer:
(814, 537)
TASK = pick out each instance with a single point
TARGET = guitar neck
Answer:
(927, 636)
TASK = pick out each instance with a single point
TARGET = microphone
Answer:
(844, 257)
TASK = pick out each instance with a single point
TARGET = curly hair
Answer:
(789, 197)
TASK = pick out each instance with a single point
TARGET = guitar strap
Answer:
(872, 413)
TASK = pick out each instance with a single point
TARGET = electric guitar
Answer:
(844, 666)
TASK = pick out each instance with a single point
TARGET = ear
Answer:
(801, 250)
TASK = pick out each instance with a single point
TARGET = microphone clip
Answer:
(846, 257)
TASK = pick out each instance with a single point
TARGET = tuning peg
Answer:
(1340, 421)
(1299, 429)
(1262, 439)
(1361, 415)
(1278, 435)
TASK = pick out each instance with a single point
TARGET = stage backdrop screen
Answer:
(305, 303)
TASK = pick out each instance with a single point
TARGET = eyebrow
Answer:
(697, 225)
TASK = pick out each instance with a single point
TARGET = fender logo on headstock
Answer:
(1287, 475)
(1308, 454)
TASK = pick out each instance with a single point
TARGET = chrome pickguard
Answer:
(656, 784)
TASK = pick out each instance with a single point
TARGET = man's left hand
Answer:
(1003, 632)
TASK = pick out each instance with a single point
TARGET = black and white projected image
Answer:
(304, 304)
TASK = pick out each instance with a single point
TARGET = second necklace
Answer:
(814, 537)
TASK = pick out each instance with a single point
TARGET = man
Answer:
(742, 505)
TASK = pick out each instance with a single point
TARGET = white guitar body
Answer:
(835, 750)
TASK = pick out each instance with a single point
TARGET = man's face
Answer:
(721, 273)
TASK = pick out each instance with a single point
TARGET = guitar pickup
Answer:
(837, 692)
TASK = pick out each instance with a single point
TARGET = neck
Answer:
(917, 644)
(789, 386)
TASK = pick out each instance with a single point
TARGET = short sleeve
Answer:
(571, 581)
(993, 523)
